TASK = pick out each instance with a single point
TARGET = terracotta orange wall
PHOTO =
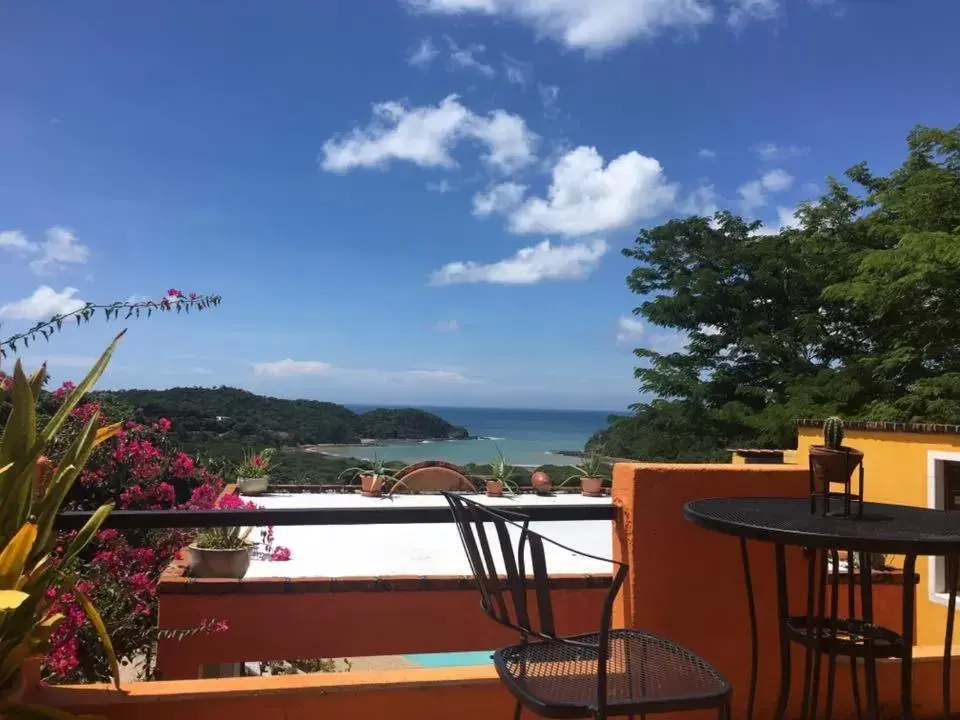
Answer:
(346, 624)
(687, 584)
(440, 694)
(895, 471)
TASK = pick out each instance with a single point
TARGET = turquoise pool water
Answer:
(451, 659)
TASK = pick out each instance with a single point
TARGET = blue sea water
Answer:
(452, 659)
(525, 437)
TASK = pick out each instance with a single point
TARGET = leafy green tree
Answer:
(853, 312)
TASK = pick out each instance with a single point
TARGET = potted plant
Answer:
(374, 479)
(541, 482)
(500, 476)
(253, 472)
(833, 462)
(591, 472)
(37, 563)
(222, 552)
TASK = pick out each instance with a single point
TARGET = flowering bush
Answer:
(139, 469)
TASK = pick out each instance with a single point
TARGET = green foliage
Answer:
(376, 467)
(833, 433)
(594, 464)
(854, 312)
(224, 538)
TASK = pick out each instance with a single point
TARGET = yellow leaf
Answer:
(106, 432)
(12, 599)
(15, 555)
(94, 617)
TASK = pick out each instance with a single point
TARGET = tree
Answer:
(853, 312)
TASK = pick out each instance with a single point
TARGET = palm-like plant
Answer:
(377, 472)
(30, 498)
(502, 472)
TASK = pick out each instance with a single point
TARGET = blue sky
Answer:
(420, 201)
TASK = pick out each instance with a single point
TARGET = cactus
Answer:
(833, 433)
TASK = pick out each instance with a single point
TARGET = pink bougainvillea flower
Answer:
(280, 554)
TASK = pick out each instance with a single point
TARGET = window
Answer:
(943, 493)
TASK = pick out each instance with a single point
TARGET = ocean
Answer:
(525, 437)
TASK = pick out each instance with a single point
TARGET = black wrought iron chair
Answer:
(609, 673)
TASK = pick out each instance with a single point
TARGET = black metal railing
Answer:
(381, 514)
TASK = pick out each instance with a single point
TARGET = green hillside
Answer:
(223, 421)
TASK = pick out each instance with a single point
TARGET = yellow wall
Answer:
(895, 471)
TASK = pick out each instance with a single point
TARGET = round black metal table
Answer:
(879, 528)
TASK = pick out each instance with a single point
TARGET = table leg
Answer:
(852, 613)
(906, 661)
(952, 566)
(834, 609)
(783, 611)
(812, 629)
(870, 662)
(754, 648)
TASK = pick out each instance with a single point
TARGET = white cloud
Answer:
(529, 266)
(315, 368)
(510, 142)
(629, 330)
(585, 197)
(59, 248)
(15, 240)
(445, 326)
(501, 198)
(426, 135)
(424, 54)
(770, 151)
(786, 220)
(702, 201)
(745, 11)
(707, 153)
(594, 25)
(292, 368)
(442, 187)
(754, 193)
(516, 71)
(548, 96)
(44, 303)
(464, 58)
(777, 180)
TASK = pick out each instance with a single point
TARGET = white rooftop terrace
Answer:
(422, 549)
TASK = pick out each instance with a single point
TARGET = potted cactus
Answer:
(591, 472)
(374, 479)
(833, 462)
(500, 478)
(253, 472)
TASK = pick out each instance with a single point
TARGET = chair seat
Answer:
(645, 673)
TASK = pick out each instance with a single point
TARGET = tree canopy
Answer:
(855, 311)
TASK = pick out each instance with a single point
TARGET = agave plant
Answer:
(378, 468)
(502, 471)
(30, 498)
(592, 465)
(224, 538)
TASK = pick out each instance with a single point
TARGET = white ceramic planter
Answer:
(253, 485)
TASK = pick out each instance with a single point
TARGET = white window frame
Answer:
(936, 574)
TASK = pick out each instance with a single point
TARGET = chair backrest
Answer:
(501, 571)
(431, 476)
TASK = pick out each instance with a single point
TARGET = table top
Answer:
(892, 529)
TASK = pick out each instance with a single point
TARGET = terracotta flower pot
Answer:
(541, 482)
(494, 488)
(371, 485)
(253, 485)
(591, 486)
(211, 563)
(833, 466)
